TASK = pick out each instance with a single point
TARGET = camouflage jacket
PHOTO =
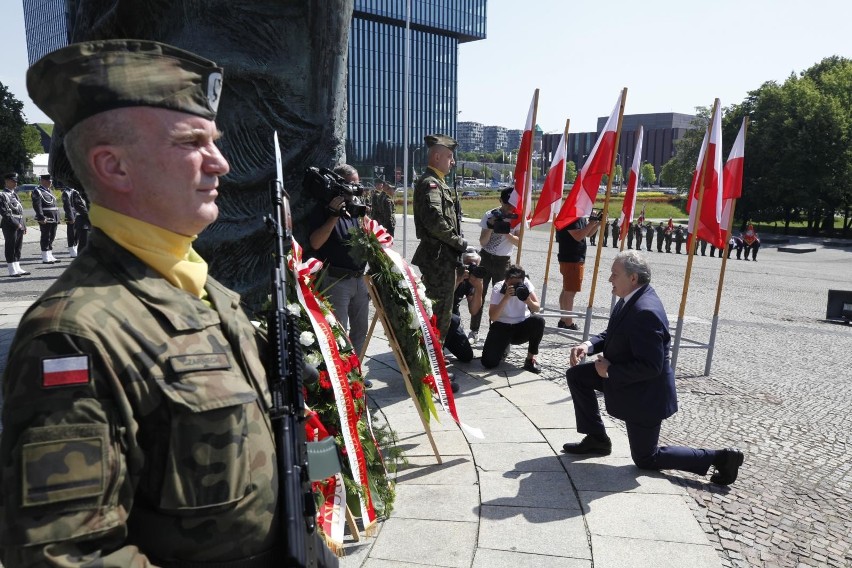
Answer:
(435, 223)
(383, 210)
(134, 423)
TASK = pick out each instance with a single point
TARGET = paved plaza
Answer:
(780, 389)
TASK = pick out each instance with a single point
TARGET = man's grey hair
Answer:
(345, 171)
(635, 262)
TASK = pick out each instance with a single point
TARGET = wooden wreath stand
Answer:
(400, 359)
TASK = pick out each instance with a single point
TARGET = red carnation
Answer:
(324, 380)
(357, 389)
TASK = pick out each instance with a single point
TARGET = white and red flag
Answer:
(706, 224)
(629, 206)
(732, 186)
(522, 196)
(581, 200)
(551, 192)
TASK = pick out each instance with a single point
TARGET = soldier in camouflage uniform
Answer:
(383, 206)
(437, 227)
(135, 424)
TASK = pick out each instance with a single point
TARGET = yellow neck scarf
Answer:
(438, 174)
(166, 252)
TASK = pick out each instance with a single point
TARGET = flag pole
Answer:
(552, 229)
(528, 183)
(725, 255)
(604, 216)
(692, 242)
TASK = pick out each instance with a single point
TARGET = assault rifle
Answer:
(297, 509)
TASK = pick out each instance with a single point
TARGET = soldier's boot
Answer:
(72, 251)
(44, 258)
(19, 270)
(12, 272)
(52, 258)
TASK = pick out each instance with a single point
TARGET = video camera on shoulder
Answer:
(499, 221)
(327, 185)
(596, 215)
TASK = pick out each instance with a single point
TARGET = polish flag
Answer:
(551, 192)
(522, 193)
(706, 224)
(733, 179)
(65, 371)
(629, 206)
(581, 200)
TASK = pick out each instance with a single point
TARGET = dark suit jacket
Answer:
(640, 386)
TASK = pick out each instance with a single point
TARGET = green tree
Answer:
(678, 171)
(14, 155)
(570, 172)
(648, 175)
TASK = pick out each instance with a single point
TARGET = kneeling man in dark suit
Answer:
(634, 373)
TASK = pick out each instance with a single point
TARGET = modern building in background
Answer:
(47, 23)
(471, 136)
(376, 76)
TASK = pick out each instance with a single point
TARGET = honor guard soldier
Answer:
(136, 427)
(661, 236)
(649, 236)
(383, 206)
(437, 227)
(631, 233)
(615, 230)
(735, 243)
(678, 238)
(751, 242)
(13, 225)
(81, 219)
(47, 215)
(70, 218)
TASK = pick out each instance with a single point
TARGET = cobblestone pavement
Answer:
(780, 389)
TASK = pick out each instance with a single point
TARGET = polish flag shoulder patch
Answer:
(65, 371)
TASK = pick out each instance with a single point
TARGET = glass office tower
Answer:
(376, 76)
(47, 24)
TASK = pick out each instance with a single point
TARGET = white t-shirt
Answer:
(515, 311)
(498, 244)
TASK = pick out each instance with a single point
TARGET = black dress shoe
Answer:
(727, 464)
(589, 445)
(532, 366)
(368, 383)
(454, 386)
(572, 326)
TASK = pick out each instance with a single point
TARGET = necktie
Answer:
(617, 309)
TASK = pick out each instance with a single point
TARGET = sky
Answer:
(672, 55)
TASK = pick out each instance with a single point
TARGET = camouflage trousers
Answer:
(440, 283)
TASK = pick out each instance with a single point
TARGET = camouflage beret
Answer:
(440, 140)
(84, 79)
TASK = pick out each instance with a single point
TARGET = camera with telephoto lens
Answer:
(596, 215)
(327, 185)
(499, 221)
(476, 270)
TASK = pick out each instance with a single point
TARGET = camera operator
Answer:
(513, 321)
(572, 259)
(468, 286)
(330, 234)
(498, 241)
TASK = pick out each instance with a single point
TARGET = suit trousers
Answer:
(643, 437)
(48, 234)
(14, 240)
(350, 302)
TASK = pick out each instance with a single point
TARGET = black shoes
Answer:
(454, 386)
(589, 445)
(532, 366)
(571, 326)
(727, 464)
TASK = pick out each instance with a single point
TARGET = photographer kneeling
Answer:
(512, 322)
(468, 285)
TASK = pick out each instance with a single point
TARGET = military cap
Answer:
(440, 140)
(11, 175)
(84, 79)
(44, 176)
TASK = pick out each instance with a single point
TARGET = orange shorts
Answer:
(572, 276)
